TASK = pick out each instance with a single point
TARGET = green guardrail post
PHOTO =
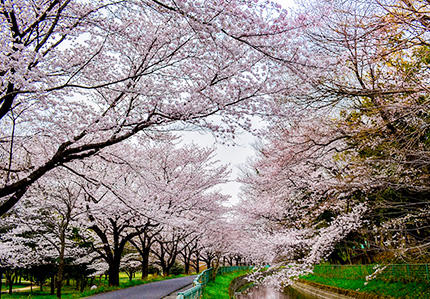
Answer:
(202, 279)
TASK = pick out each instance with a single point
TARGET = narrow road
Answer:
(153, 290)
(35, 288)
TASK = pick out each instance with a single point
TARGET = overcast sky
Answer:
(235, 155)
(286, 3)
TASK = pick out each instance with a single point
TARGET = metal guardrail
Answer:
(203, 278)
(193, 293)
(390, 272)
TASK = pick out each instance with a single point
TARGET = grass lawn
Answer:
(218, 289)
(377, 287)
(69, 292)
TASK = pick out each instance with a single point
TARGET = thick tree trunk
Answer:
(166, 270)
(61, 267)
(197, 265)
(52, 285)
(187, 266)
(145, 264)
(9, 282)
(113, 274)
(84, 283)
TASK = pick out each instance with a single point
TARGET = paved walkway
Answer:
(35, 288)
(175, 293)
(153, 290)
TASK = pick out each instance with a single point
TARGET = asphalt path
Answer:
(152, 290)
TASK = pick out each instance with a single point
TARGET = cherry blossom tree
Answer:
(45, 221)
(296, 204)
(353, 148)
(167, 247)
(130, 264)
(144, 191)
(143, 244)
(384, 90)
(79, 76)
(114, 219)
(189, 249)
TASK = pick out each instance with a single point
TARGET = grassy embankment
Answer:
(397, 286)
(70, 292)
(218, 289)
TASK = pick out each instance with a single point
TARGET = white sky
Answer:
(236, 156)
(286, 3)
(233, 155)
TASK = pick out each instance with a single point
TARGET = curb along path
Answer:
(174, 295)
(153, 290)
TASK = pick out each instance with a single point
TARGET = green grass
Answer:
(69, 292)
(218, 289)
(391, 273)
(376, 287)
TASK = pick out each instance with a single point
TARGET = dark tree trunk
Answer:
(52, 285)
(166, 271)
(197, 264)
(113, 252)
(61, 266)
(84, 283)
(113, 274)
(9, 282)
(145, 264)
(187, 266)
